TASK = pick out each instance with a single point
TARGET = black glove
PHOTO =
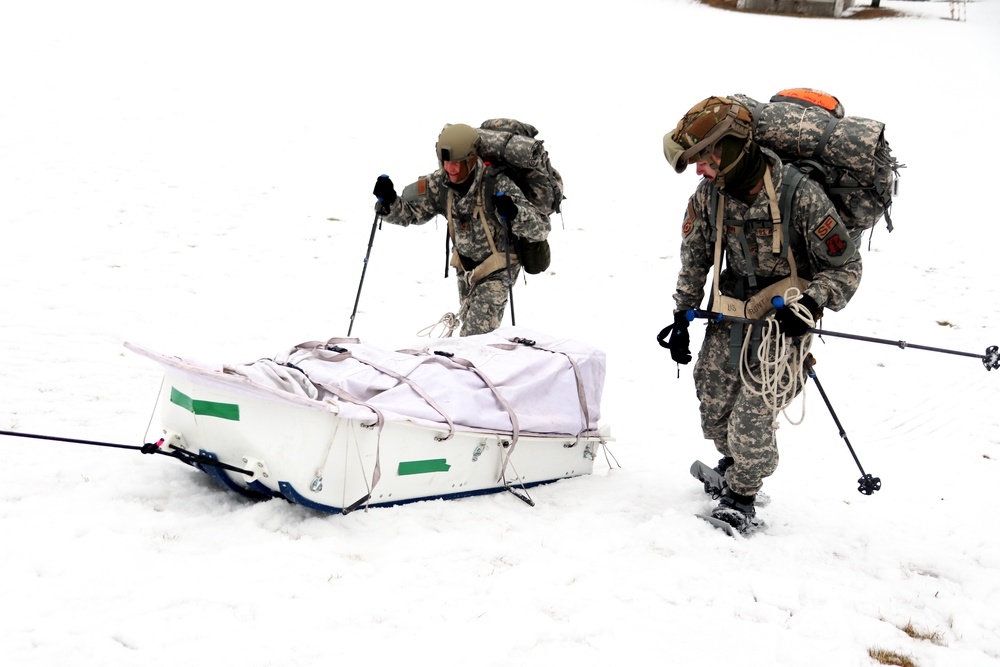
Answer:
(790, 323)
(505, 206)
(385, 192)
(680, 341)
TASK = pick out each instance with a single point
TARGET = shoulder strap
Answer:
(825, 138)
(788, 188)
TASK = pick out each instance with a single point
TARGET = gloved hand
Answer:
(505, 206)
(679, 343)
(385, 192)
(793, 325)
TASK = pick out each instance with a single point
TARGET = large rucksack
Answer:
(509, 146)
(847, 155)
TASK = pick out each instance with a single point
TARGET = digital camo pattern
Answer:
(428, 197)
(822, 247)
(856, 151)
(511, 142)
(737, 420)
(483, 304)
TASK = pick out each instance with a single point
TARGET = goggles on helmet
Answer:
(706, 123)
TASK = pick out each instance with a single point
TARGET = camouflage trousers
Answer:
(482, 305)
(739, 422)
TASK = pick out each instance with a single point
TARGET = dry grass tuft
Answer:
(934, 637)
(884, 657)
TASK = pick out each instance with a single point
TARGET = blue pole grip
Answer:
(692, 314)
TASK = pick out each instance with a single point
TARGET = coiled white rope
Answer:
(443, 328)
(781, 374)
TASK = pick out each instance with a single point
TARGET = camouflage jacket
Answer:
(821, 245)
(428, 196)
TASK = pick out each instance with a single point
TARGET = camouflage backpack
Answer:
(510, 146)
(847, 155)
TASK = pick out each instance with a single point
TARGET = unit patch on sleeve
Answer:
(422, 186)
(835, 246)
(688, 219)
(826, 227)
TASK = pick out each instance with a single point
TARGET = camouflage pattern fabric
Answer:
(823, 249)
(708, 121)
(428, 197)
(511, 142)
(856, 151)
(738, 421)
(483, 304)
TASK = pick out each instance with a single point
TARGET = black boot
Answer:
(735, 509)
(715, 487)
(724, 464)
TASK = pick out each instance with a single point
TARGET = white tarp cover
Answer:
(539, 383)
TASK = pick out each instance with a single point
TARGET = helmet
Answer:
(703, 126)
(457, 142)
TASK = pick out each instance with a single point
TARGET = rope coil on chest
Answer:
(778, 374)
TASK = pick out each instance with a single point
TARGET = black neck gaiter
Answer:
(745, 176)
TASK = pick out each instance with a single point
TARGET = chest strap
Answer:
(491, 264)
(758, 304)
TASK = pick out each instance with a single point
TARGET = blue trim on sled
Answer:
(255, 490)
(289, 493)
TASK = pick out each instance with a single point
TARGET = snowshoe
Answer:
(736, 511)
(715, 481)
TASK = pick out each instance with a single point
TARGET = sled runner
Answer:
(339, 424)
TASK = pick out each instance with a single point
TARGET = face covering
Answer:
(746, 170)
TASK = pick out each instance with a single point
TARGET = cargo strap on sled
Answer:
(468, 365)
(323, 351)
(580, 391)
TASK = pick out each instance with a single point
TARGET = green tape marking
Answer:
(421, 467)
(208, 408)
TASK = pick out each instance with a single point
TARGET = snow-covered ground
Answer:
(196, 176)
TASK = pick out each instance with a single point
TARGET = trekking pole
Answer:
(990, 359)
(371, 240)
(510, 278)
(866, 484)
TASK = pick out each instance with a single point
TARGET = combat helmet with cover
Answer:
(703, 127)
(457, 143)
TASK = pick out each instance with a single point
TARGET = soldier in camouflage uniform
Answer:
(716, 135)
(479, 203)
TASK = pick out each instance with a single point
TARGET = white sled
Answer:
(339, 425)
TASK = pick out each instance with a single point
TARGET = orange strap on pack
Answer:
(817, 97)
